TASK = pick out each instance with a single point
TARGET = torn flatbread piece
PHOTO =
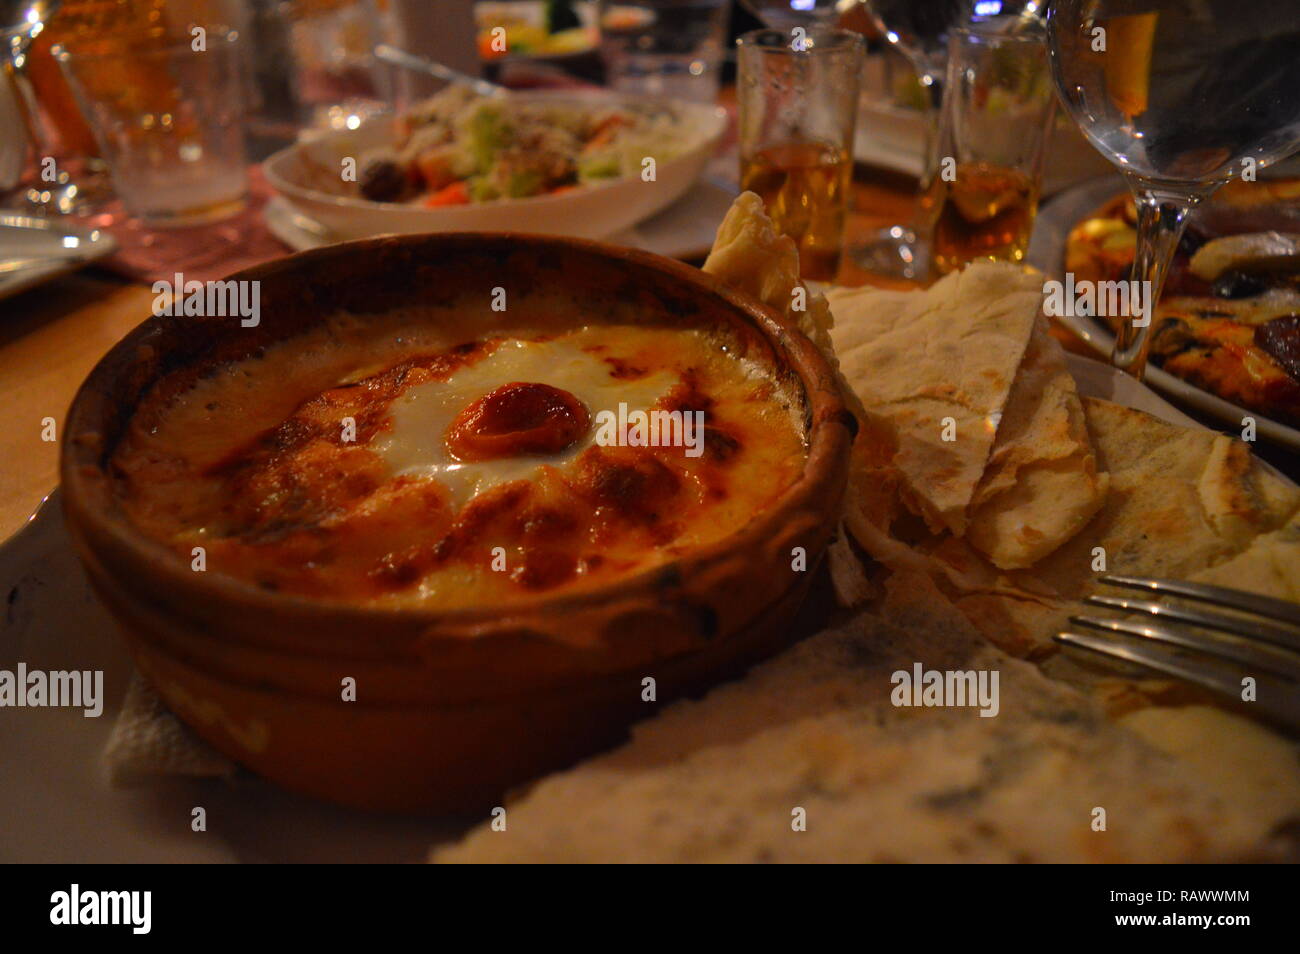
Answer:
(1270, 566)
(752, 257)
(1042, 484)
(1182, 503)
(938, 365)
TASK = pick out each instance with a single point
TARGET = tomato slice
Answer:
(455, 194)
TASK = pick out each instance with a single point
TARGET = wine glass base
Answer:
(896, 252)
(70, 194)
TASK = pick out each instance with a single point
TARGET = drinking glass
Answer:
(670, 48)
(998, 107)
(174, 139)
(919, 30)
(21, 21)
(798, 101)
(1181, 95)
(336, 81)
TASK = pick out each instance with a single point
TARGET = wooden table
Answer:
(50, 338)
(52, 335)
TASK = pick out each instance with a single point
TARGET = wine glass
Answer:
(1181, 95)
(21, 21)
(919, 30)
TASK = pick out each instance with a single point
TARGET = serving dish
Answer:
(307, 174)
(684, 230)
(451, 706)
(1047, 253)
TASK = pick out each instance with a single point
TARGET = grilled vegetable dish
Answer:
(1229, 319)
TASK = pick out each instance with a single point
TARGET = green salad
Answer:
(459, 147)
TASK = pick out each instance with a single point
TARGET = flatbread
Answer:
(814, 732)
(938, 366)
(1270, 566)
(1041, 484)
(1181, 502)
(752, 257)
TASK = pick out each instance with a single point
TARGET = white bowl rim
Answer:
(716, 116)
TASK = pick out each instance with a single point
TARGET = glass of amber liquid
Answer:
(997, 111)
(798, 95)
(168, 116)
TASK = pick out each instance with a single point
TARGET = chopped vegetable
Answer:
(455, 194)
(487, 133)
(505, 148)
(383, 179)
(601, 166)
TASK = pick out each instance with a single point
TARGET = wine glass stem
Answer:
(1162, 215)
(931, 74)
(28, 109)
(933, 84)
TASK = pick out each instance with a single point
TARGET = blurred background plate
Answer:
(34, 250)
(1047, 253)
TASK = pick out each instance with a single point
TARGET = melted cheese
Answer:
(249, 459)
(415, 443)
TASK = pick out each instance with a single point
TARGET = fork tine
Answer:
(1280, 703)
(1267, 658)
(1264, 606)
(1237, 625)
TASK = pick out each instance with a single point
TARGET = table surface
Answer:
(52, 335)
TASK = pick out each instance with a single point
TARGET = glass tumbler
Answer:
(998, 108)
(171, 127)
(798, 100)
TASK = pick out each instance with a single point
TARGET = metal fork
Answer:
(1214, 650)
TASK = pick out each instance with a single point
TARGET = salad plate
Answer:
(680, 138)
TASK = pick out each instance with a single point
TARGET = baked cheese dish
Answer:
(384, 461)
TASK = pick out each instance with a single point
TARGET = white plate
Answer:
(685, 229)
(56, 803)
(303, 172)
(1047, 253)
(55, 247)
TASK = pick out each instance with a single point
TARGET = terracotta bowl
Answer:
(452, 706)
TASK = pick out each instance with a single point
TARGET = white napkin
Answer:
(148, 741)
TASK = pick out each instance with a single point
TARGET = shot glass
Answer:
(997, 112)
(169, 121)
(798, 101)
